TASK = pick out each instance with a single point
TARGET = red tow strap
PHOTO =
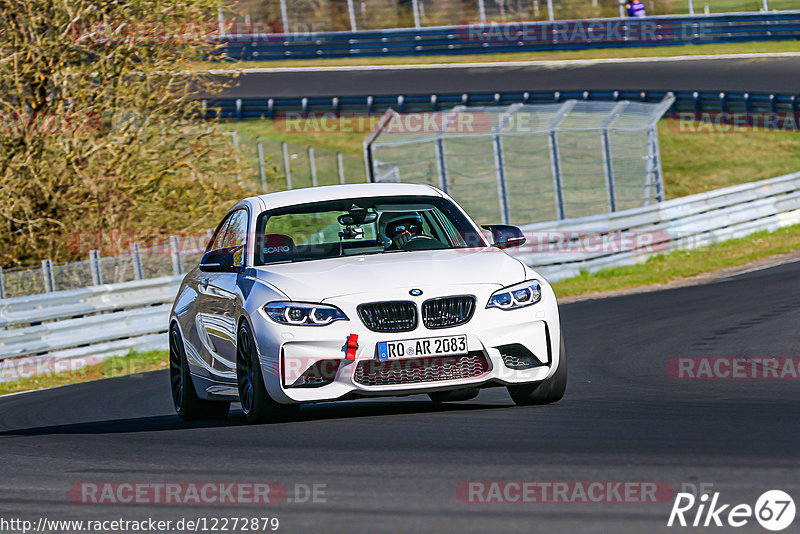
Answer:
(352, 346)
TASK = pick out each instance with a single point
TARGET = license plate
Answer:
(419, 348)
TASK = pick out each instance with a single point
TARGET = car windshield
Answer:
(356, 226)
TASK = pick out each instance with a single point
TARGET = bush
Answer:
(100, 130)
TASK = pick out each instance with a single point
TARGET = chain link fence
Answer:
(527, 163)
(307, 16)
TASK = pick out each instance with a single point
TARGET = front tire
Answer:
(188, 405)
(257, 405)
(547, 391)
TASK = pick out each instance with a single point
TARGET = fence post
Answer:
(49, 279)
(340, 165)
(415, 9)
(766, 5)
(94, 265)
(312, 164)
(262, 171)
(550, 15)
(441, 164)
(691, 7)
(2, 285)
(659, 173)
(221, 22)
(500, 170)
(352, 13)
(284, 17)
(287, 165)
(555, 161)
(174, 247)
(622, 9)
(136, 257)
(482, 11)
(651, 180)
(608, 163)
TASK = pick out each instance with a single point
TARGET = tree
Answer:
(100, 124)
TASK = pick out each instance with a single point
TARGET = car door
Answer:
(216, 304)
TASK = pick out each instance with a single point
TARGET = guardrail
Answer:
(685, 101)
(517, 37)
(92, 323)
(562, 249)
(83, 326)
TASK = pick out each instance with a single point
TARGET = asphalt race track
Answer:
(394, 465)
(763, 74)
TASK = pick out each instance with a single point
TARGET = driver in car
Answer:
(401, 228)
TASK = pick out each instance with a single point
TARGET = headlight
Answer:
(518, 296)
(303, 314)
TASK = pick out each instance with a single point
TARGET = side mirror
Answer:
(220, 260)
(505, 236)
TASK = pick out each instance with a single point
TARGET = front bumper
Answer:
(288, 352)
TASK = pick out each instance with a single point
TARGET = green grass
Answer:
(684, 264)
(135, 362)
(277, 131)
(639, 51)
(700, 162)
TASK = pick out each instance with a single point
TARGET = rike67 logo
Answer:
(774, 510)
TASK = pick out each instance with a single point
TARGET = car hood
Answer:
(317, 280)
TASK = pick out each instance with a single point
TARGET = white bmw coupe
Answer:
(353, 291)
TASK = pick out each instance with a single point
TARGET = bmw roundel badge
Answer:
(415, 292)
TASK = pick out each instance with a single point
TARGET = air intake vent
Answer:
(399, 316)
(415, 370)
(447, 312)
(518, 357)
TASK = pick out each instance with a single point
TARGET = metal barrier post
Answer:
(2, 285)
(691, 7)
(94, 265)
(415, 9)
(550, 14)
(262, 171)
(287, 165)
(555, 162)
(340, 165)
(136, 256)
(659, 177)
(441, 164)
(481, 11)
(607, 161)
(766, 5)
(312, 164)
(352, 13)
(500, 169)
(609, 171)
(49, 279)
(175, 250)
(284, 17)
(499, 160)
(650, 170)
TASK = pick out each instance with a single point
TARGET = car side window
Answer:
(219, 237)
(236, 235)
